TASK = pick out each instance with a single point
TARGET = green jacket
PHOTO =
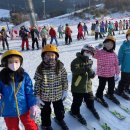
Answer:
(81, 71)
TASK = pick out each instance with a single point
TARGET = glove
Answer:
(91, 74)
(39, 102)
(116, 77)
(35, 111)
(64, 95)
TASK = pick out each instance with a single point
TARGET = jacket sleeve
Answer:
(117, 65)
(64, 79)
(29, 91)
(120, 55)
(78, 69)
(37, 85)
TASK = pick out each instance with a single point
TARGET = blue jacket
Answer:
(124, 56)
(24, 96)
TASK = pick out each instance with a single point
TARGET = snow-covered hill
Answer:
(67, 54)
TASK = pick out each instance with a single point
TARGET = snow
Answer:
(4, 13)
(67, 54)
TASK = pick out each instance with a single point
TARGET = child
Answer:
(51, 86)
(107, 70)
(81, 87)
(124, 56)
(16, 93)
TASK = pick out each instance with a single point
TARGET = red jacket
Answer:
(52, 32)
(68, 31)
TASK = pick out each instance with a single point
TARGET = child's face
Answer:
(50, 55)
(14, 63)
(109, 45)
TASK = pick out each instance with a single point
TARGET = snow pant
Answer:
(124, 82)
(12, 123)
(77, 101)
(102, 84)
(60, 34)
(46, 112)
(80, 35)
(27, 45)
(68, 37)
(54, 38)
(4, 41)
(44, 42)
(33, 42)
(96, 35)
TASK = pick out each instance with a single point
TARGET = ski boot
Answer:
(62, 124)
(79, 117)
(46, 128)
(122, 94)
(94, 112)
(102, 101)
(112, 98)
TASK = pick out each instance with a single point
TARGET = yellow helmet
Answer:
(9, 53)
(50, 48)
(3, 28)
(128, 32)
(111, 38)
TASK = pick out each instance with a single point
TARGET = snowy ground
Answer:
(67, 54)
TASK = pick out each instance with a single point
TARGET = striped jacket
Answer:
(50, 82)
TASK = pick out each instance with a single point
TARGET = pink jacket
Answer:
(107, 63)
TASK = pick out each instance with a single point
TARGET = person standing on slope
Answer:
(107, 70)
(51, 86)
(81, 86)
(124, 56)
(16, 93)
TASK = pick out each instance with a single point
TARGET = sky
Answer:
(67, 53)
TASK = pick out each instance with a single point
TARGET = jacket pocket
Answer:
(78, 81)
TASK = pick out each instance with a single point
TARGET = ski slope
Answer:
(67, 53)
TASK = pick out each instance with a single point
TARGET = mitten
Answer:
(35, 110)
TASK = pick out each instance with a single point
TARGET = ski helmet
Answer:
(50, 48)
(87, 48)
(9, 53)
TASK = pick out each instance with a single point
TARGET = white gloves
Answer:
(39, 102)
(116, 77)
(64, 95)
(35, 111)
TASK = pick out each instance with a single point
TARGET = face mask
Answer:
(87, 54)
(128, 38)
(14, 66)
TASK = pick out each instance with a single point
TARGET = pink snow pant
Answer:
(12, 123)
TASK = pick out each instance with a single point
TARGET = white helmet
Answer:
(88, 47)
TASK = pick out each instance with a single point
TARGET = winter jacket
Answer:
(34, 34)
(81, 69)
(24, 97)
(23, 34)
(44, 33)
(52, 32)
(124, 56)
(68, 31)
(107, 63)
(50, 82)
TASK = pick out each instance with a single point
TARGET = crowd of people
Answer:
(48, 34)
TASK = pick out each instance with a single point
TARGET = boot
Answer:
(122, 94)
(62, 124)
(47, 128)
(112, 98)
(102, 101)
(79, 117)
(94, 112)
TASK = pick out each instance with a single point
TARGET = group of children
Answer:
(51, 85)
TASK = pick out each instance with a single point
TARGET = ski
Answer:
(126, 109)
(88, 126)
(104, 125)
(114, 113)
(117, 114)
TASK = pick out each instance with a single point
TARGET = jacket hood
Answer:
(79, 55)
